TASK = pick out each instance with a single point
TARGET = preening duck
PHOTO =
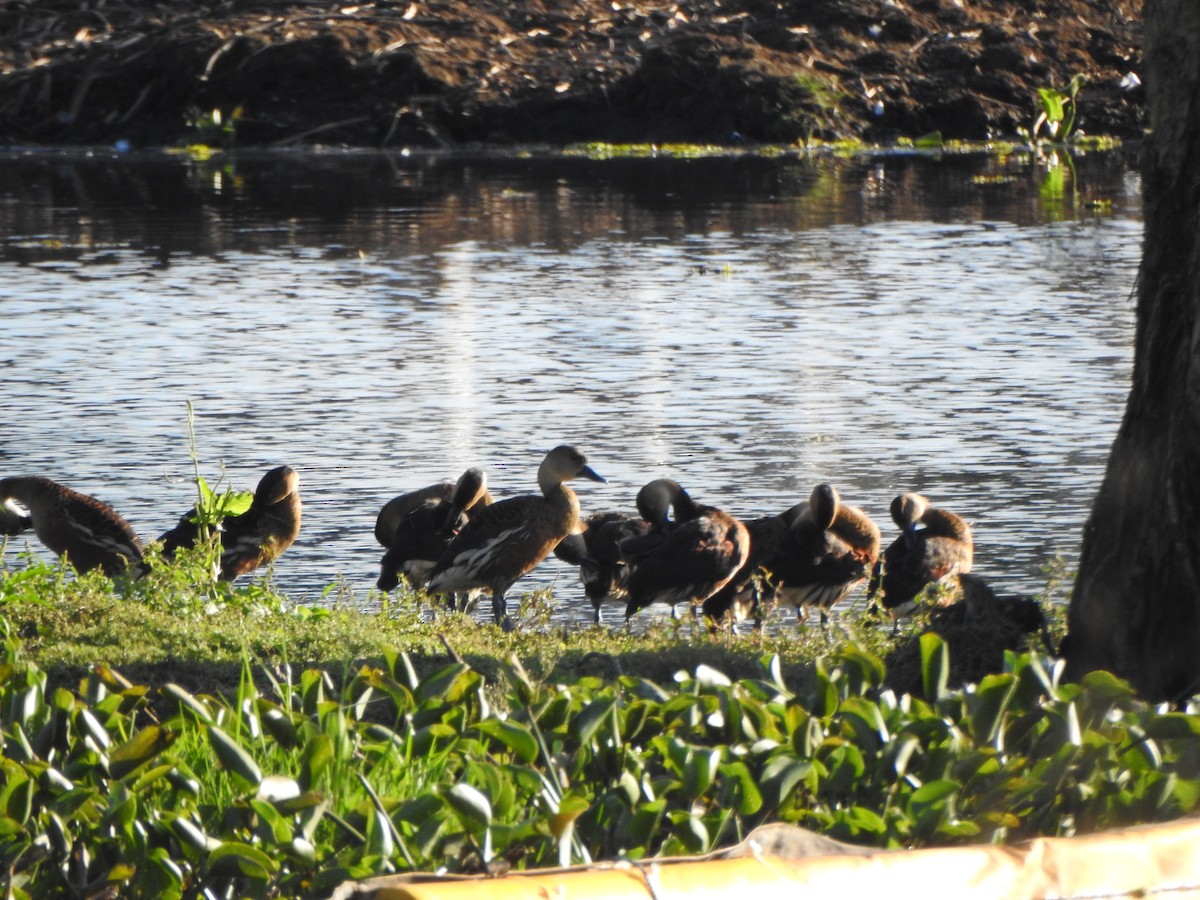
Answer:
(89, 534)
(933, 549)
(419, 525)
(596, 549)
(507, 539)
(256, 537)
(826, 553)
(750, 588)
(687, 561)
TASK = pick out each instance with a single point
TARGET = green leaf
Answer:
(512, 735)
(934, 792)
(591, 717)
(445, 684)
(935, 666)
(470, 804)
(988, 704)
(138, 750)
(234, 858)
(317, 758)
(188, 702)
(234, 758)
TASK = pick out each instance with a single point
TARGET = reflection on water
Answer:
(750, 327)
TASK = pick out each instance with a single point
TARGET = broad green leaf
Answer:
(139, 749)
(514, 736)
(234, 758)
(470, 804)
(935, 666)
(236, 858)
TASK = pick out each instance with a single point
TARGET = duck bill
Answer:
(588, 472)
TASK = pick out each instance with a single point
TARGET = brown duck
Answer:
(597, 548)
(743, 598)
(934, 548)
(256, 537)
(84, 531)
(687, 561)
(419, 525)
(828, 551)
(507, 539)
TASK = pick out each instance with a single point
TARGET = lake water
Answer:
(961, 326)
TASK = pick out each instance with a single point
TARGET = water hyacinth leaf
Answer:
(88, 723)
(988, 705)
(935, 666)
(234, 758)
(281, 831)
(746, 797)
(470, 804)
(139, 749)
(277, 789)
(183, 781)
(1173, 726)
(425, 740)
(845, 766)
(188, 702)
(236, 858)
(934, 792)
(152, 777)
(708, 677)
(448, 684)
(316, 759)
(783, 775)
(191, 835)
(278, 723)
(516, 737)
(589, 719)
(699, 771)
(867, 670)
(570, 808)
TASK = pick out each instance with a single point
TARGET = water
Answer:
(750, 327)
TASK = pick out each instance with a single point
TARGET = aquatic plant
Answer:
(299, 780)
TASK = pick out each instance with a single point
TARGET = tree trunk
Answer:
(1135, 609)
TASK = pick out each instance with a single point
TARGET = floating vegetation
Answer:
(300, 776)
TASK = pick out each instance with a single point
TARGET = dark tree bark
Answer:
(1135, 609)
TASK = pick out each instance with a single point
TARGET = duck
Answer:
(828, 550)
(935, 548)
(506, 540)
(86, 532)
(745, 595)
(254, 538)
(417, 526)
(686, 561)
(596, 549)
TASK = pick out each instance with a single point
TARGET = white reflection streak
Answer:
(457, 329)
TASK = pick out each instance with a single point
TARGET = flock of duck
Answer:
(455, 539)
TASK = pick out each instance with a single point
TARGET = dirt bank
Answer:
(446, 72)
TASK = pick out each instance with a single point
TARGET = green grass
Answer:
(173, 736)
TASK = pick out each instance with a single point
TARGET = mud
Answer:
(438, 73)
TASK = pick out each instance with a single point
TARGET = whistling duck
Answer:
(688, 561)
(420, 524)
(825, 554)
(596, 549)
(743, 597)
(87, 532)
(506, 540)
(934, 548)
(257, 536)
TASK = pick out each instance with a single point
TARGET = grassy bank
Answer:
(173, 737)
